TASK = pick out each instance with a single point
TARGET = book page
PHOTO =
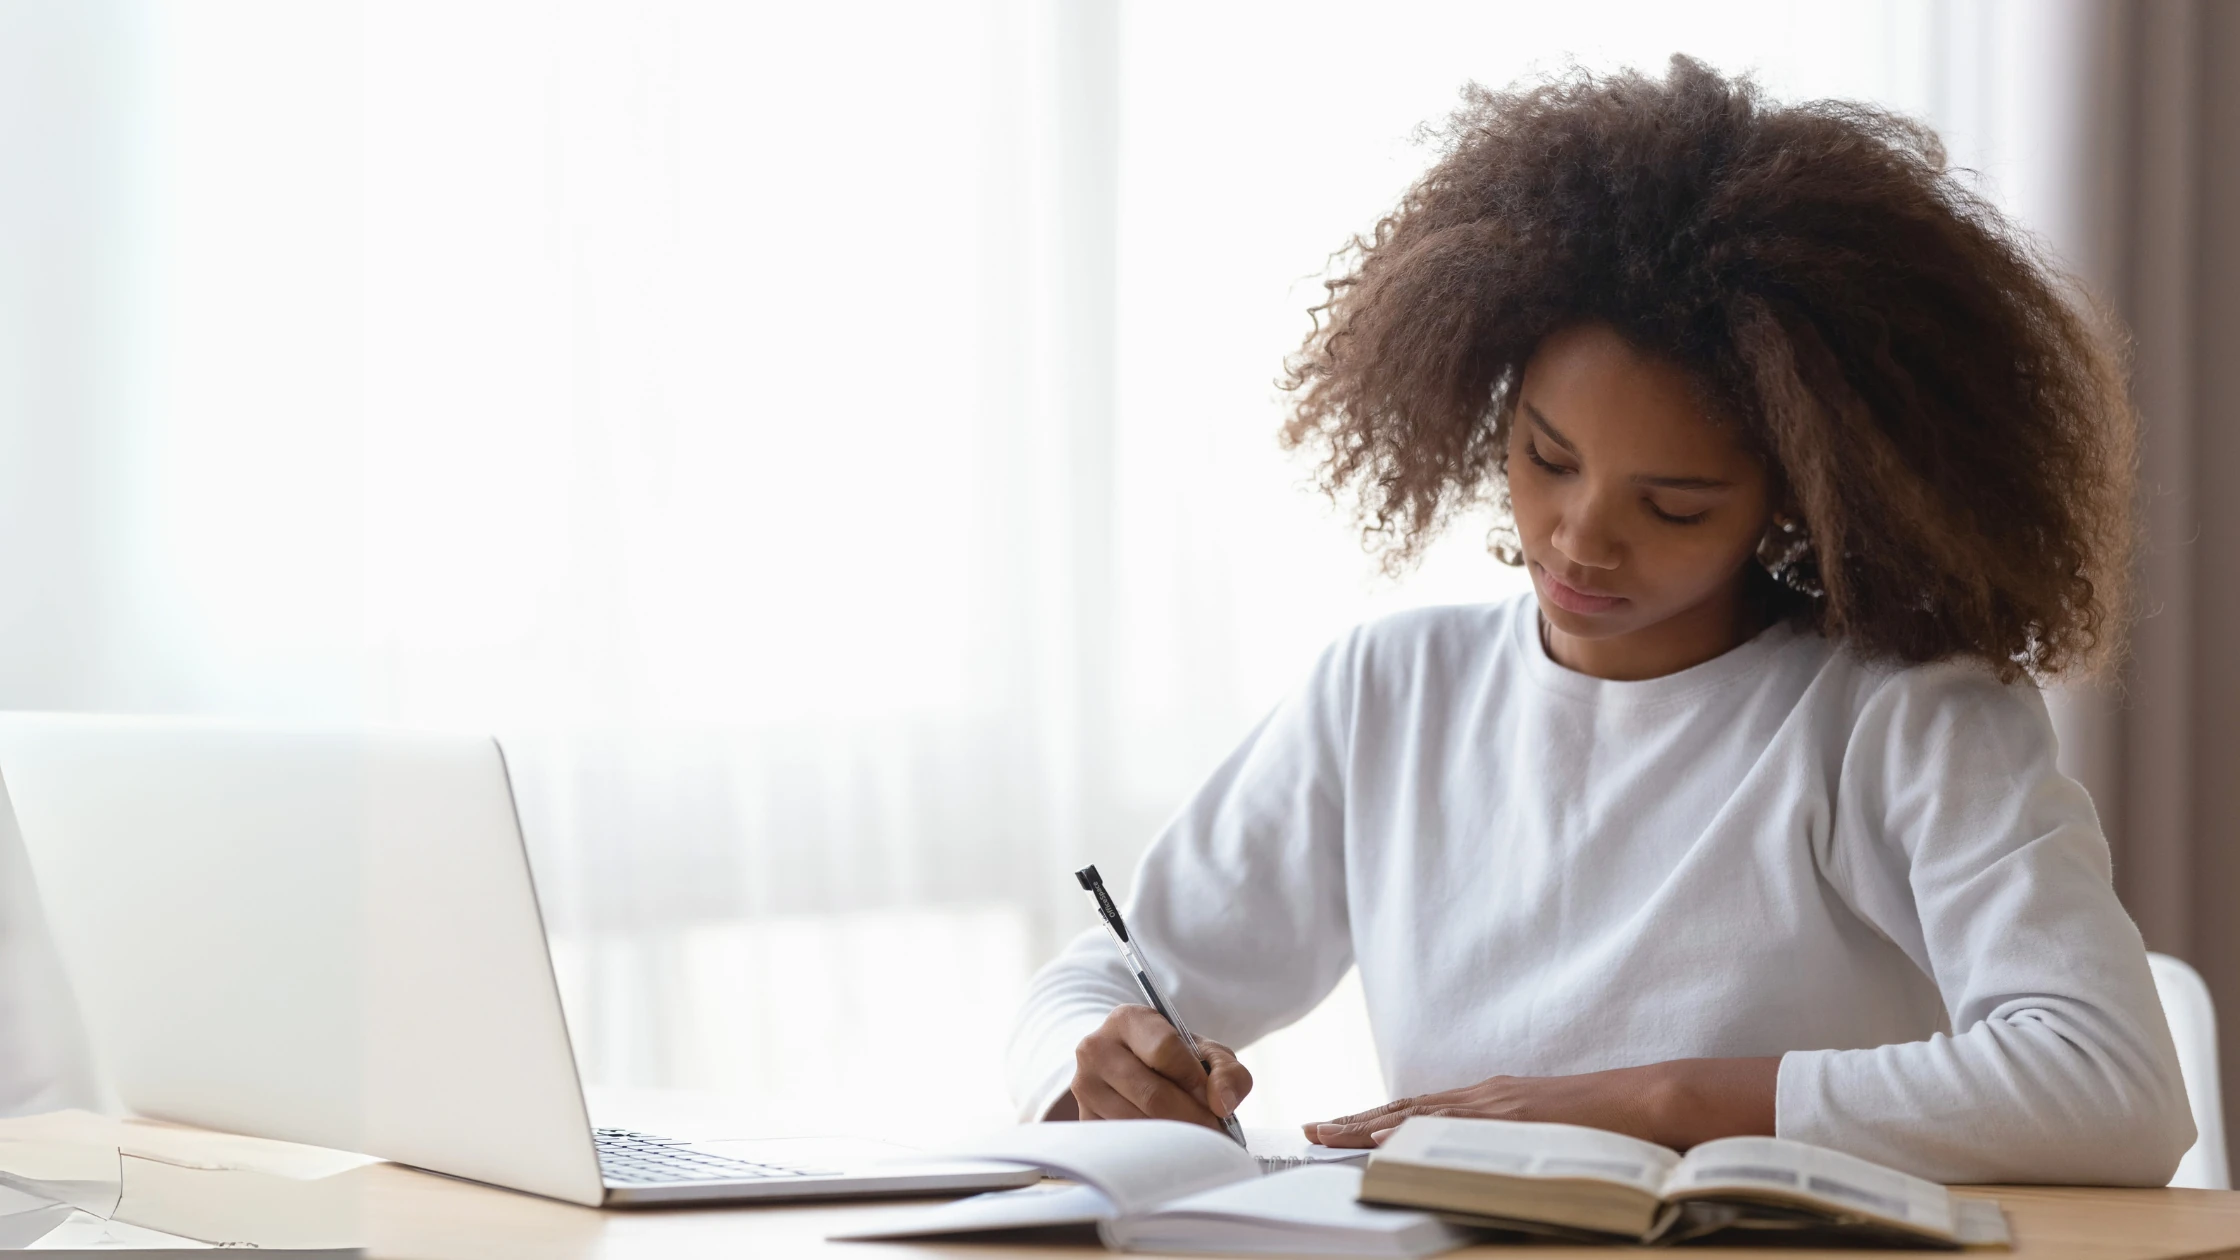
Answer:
(1138, 1164)
(1980, 1223)
(1519, 1148)
(1801, 1172)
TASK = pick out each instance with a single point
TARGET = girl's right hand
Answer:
(1135, 1067)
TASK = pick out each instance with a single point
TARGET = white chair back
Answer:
(2193, 1025)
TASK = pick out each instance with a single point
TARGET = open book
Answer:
(1566, 1180)
(1158, 1185)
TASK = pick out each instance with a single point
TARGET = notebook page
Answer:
(1029, 1207)
(1279, 1149)
(1313, 1210)
(1138, 1164)
(1784, 1167)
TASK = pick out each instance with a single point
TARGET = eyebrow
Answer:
(1663, 483)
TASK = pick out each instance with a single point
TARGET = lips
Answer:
(1570, 598)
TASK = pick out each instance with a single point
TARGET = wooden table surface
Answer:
(423, 1217)
(418, 1216)
(410, 1215)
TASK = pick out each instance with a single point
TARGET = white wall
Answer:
(835, 444)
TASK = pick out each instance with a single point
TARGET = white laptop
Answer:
(332, 937)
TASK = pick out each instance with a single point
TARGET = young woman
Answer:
(1747, 821)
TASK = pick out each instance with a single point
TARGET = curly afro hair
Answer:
(1940, 407)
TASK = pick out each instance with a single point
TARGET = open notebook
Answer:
(1156, 1185)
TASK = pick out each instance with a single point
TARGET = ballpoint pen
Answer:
(1093, 884)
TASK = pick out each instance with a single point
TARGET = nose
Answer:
(1583, 537)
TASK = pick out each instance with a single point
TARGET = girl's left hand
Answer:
(1677, 1103)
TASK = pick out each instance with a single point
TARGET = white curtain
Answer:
(833, 444)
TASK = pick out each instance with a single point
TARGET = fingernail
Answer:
(1325, 1130)
(1380, 1135)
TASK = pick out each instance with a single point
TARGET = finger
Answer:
(1146, 1090)
(1099, 1101)
(1229, 1081)
(1360, 1133)
(1156, 1096)
(1378, 1128)
(1340, 1135)
(1158, 1046)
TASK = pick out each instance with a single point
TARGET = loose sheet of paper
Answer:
(59, 1131)
(215, 1187)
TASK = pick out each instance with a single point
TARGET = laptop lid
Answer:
(315, 935)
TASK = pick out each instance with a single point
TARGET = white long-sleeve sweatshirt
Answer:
(1874, 872)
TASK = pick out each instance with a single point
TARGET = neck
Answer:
(1712, 628)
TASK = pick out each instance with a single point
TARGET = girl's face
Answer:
(1636, 509)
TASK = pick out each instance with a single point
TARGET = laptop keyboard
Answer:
(629, 1158)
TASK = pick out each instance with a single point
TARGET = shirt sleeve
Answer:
(1955, 836)
(1239, 904)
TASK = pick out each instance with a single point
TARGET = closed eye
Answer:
(1532, 452)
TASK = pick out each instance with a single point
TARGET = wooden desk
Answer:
(416, 1216)
(411, 1215)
